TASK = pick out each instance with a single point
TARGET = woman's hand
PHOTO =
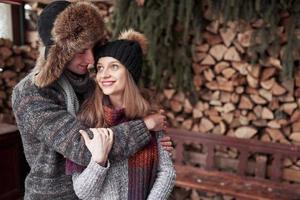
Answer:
(100, 145)
(156, 122)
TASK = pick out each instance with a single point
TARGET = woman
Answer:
(149, 174)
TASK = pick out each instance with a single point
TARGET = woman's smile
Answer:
(107, 83)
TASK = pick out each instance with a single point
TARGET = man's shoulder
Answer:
(26, 87)
(26, 82)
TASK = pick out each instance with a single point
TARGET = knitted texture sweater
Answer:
(138, 178)
(50, 134)
(142, 166)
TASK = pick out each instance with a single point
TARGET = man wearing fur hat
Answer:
(46, 101)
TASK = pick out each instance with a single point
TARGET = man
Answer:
(46, 101)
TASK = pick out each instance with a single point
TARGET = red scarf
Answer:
(142, 166)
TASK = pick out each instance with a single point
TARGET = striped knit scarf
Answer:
(142, 166)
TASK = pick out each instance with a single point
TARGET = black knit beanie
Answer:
(46, 21)
(127, 52)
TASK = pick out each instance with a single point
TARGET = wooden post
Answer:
(243, 158)
(210, 156)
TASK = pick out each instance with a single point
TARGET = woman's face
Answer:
(111, 76)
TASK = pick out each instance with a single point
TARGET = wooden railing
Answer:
(261, 185)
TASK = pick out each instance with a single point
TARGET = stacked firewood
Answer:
(15, 63)
(237, 98)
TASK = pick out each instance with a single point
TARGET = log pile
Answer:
(15, 63)
(237, 98)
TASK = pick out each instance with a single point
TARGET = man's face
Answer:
(80, 62)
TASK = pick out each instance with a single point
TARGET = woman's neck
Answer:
(116, 101)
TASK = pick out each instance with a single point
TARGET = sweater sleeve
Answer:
(88, 184)
(129, 138)
(41, 114)
(166, 175)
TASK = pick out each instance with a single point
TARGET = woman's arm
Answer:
(166, 175)
(88, 184)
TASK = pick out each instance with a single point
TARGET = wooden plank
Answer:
(260, 166)
(256, 146)
(210, 157)
(7, 128)
(179, 153)
(243, 159)
(10, 168)
(231, 184)
(276, 172)
(223, 164)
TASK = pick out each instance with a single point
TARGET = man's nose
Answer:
(89, 57)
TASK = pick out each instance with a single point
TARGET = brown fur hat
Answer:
(75, 28)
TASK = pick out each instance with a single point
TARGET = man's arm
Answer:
(140, 135)
(39, 114)
(129, 138)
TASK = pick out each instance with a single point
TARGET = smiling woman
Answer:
(148, 174)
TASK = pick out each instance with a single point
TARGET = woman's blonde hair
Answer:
(135, 105)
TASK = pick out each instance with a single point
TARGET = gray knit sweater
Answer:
(111, 182)
(50, 134)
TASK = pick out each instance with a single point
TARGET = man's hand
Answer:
(156, 122)
(166, 143)
(100, 145)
